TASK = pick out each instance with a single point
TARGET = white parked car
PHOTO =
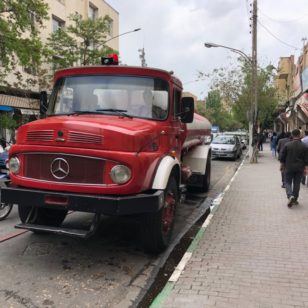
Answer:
(243, 137)
(226, 146)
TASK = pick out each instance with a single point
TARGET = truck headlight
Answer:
(14, 165)
(120, 174)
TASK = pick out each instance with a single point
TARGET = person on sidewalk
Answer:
(274, 144)
(305, 139)
(281, 144)
(294, 162)
(260, 141)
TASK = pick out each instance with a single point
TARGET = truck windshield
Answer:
(116, 95)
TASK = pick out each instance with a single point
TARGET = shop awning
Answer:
(6, 108)
(302, 104)
(19, 102)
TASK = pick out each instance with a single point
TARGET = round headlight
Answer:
(120, 174)
(14, 165)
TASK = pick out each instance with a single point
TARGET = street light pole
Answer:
(254, 72)
(135, 30)
(253, 103)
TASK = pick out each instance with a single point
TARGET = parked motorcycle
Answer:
(5, 209)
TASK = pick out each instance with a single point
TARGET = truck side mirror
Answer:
(187, 109)
(43, 102)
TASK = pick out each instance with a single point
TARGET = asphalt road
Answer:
(108, 270)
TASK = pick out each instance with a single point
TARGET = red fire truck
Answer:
(115, 140)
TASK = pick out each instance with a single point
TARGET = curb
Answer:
(163, 295)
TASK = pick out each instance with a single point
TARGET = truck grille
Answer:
(64, 168)
(40, 135)
(84, 138)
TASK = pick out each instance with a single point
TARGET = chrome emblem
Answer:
(59, 168)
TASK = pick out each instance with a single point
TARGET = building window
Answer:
(3, 58)
(57, 23)
(92, 13)
(32, 17)
(31, 70)
(110, 27)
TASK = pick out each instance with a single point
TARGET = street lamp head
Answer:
(138, 29)
(210, 45)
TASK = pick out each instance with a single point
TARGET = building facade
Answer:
(59, 12)
(292, 88)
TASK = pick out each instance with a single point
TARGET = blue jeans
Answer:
(293, 182)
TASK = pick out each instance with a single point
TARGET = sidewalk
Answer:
(254, 250)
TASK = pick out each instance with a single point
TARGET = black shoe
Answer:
(291, 201)
(282, 186)
(295, 202)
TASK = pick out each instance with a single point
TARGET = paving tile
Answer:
(254, 251)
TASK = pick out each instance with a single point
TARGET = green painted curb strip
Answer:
(161, 297)
(196, 240)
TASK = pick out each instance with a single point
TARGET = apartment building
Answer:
(59, 12)
(292, 86)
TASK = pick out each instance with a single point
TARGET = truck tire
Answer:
(5, 210)
(206, 181)
(41, 216)
(156, 228)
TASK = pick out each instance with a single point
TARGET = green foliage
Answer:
(214, 111)
(19, 40)
(6, 121)
(234, 86)
(83, 42)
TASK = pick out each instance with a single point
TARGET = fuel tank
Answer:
(197, 132)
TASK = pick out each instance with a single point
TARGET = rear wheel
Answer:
(156, 228)
(41, 216)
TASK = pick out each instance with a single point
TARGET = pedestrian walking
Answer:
(273, 144)
(281, 135)
(281, 144)
(260, 141)
(305, 139)
(294, 162)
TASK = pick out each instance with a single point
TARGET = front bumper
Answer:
(223, 154)
(101, 204)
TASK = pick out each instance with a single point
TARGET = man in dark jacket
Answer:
(294, 162)
(281, 144)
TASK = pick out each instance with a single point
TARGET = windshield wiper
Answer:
(74, 113)
(97, 111)
(119, 111)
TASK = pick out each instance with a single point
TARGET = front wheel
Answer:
(156, 228)
(41, 216)
(5, 210)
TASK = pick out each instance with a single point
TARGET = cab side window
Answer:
(176, 102)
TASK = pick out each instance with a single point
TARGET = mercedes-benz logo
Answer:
(59, 168)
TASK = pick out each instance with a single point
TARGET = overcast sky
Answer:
(174, 31)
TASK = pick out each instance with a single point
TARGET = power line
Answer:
(282, 21)
(276, 37)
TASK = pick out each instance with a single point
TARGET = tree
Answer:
(234, 85)
(267, 97)
(19, 34)
(83, 42)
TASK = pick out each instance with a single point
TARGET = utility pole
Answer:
(254, 86)
(142, 57)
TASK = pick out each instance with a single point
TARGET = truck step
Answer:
(56, 230)
(81, 233)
